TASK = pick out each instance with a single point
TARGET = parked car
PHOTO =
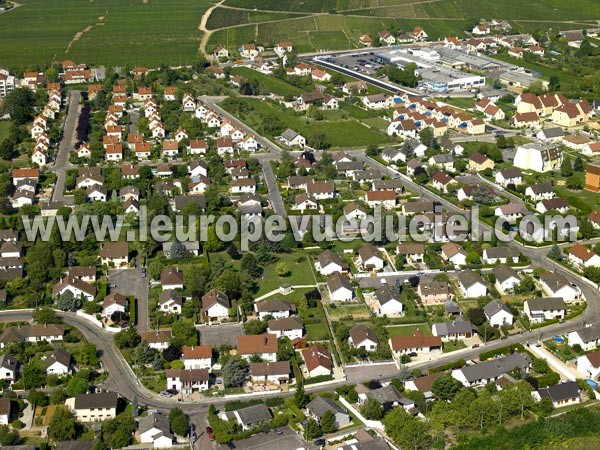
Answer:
(209, 432)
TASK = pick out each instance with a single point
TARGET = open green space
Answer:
(4, 130)
(338, 133)
(102, 32)
(300, 274)
(273, 84)
(408, 330)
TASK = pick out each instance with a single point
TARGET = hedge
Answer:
(318, 379)
(451, 365)
(502, 351)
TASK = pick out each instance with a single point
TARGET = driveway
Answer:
(130, 282)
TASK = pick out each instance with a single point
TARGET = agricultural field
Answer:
(115, 32)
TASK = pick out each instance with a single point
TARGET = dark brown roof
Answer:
(361, 333)
(317, 356)
(114, 250)
(418, 340)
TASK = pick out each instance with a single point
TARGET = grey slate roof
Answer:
(319, 405)
(98, 400)
(469, 278)
(503, 273)
(559, 392)
(589, 334)
(546, 304)
(493, 369)
(254, 414)
(157, 420)
(386, 294)
(494, 307)
(289, 134)
(458, 326)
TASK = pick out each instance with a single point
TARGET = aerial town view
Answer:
(300, 224)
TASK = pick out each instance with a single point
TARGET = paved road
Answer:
(385, 85)
(131, 282)
(273, 150)
(274, 195)
(66, 144)
(134, 116)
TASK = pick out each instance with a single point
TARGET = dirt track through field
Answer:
(80, 33)
(202, 27)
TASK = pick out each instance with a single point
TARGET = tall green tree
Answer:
(328, 422)
(63, 426)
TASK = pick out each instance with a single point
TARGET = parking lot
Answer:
(360, 62)
(217, 335)
(288, 440)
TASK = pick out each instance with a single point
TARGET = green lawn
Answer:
(453, 346)
(108, 32)
(408, 330)
(376, 122)
(317, 331)
(273, 84)
(338, 133)
(300, 274)
(356, 310)
(4, 128)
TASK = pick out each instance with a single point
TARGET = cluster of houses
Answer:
(561, 111)
(40, 126)
(413, 114)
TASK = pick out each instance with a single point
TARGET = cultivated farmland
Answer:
(116, 32)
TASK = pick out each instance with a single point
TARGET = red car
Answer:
(210, 433)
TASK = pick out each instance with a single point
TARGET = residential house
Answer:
(290, 327)
(480, 374)
(9, 368)
(561, 395)
(542, 191)
(385, 199)
(581, 257)
(249, 416)
(479, 162)
(423, 384)
(114, 254)
(170, 302)
(459, 328)
(363, 337)
(320, 405)
(329, 263)
(339, 288)
(32, 333)
(158, 340)
(58, 362)
(588, 337)
(497, 314)
(263, 345)
(95, 407)
(506, 279)
(555, 285)
(433, 292)
(270, 372)
(511, 212)
(171, 278)
(113, 303)
(215, 306)
(589, 365)
(387, 302)
(539, 310)
(291, 138)
(187, 381)
(413, 252)
(79, 289)
(274, 307)
(155, 429)
(502, 255)
(539, 157)
(418, 343)
(317, 361)
(509, 177)
(197, 357)
(471, 284)
(454, 253)
(370, 258)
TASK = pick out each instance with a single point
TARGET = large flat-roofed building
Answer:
(592, 177)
